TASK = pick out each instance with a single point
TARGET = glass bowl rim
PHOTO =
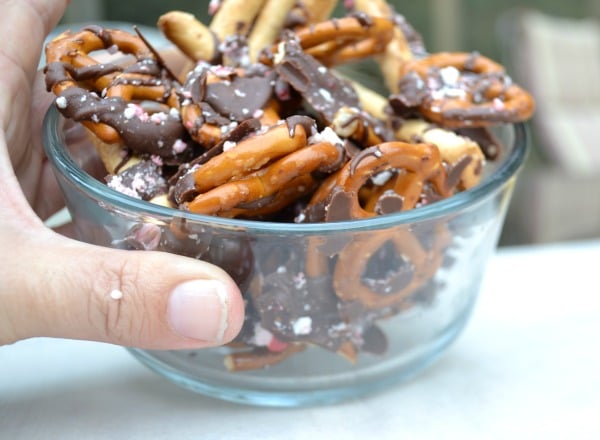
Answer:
(53, 138)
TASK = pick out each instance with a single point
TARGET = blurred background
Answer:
(552, 47)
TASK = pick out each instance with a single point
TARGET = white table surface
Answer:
(527, 366)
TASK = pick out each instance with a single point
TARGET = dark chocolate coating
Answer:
(325, 92)
(144, 137)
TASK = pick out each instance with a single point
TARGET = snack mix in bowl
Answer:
(357, 224)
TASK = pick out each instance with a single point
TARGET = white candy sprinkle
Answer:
(61, 102)
(381, 178)
(299, 280)
(326, 95)
(262, 337)
(456, 93)
(129, 112)
(179, 146)
(498, 104)
(228, 145)
(327, 135)
(450, 75)
(302, 325)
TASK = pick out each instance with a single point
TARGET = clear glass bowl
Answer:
(367, 303)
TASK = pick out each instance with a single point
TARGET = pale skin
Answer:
(56, 286)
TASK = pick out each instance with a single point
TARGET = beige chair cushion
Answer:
(558, 59)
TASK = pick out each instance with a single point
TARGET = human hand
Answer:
(58, 287)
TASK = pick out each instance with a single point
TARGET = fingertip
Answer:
(206, 310)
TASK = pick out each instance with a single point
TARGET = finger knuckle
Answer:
(118, 308)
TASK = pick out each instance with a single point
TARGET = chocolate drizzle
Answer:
(367, 152)
(58, 72)
(306, 122)
(101, 33)
(159, 59)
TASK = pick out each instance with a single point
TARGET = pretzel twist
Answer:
(79, 81)
(341, 40)
(464, 89)
(417, 265)
(342, 189)
(74, 48)
(409, 185)
(131, 86)
(206, 134)
(268, 25)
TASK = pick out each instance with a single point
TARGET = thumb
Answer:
(63, 288)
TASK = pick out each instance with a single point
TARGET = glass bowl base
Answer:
(288, 391)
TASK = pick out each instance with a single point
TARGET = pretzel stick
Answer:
(453, 148)
(259, 358)
(318, 10)
(349, 122)
(113, 156)
(370, 100)
(235, 17)
(268, 25)
(397, 51)
(267, 181)
(191, 36)
(249, 155)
